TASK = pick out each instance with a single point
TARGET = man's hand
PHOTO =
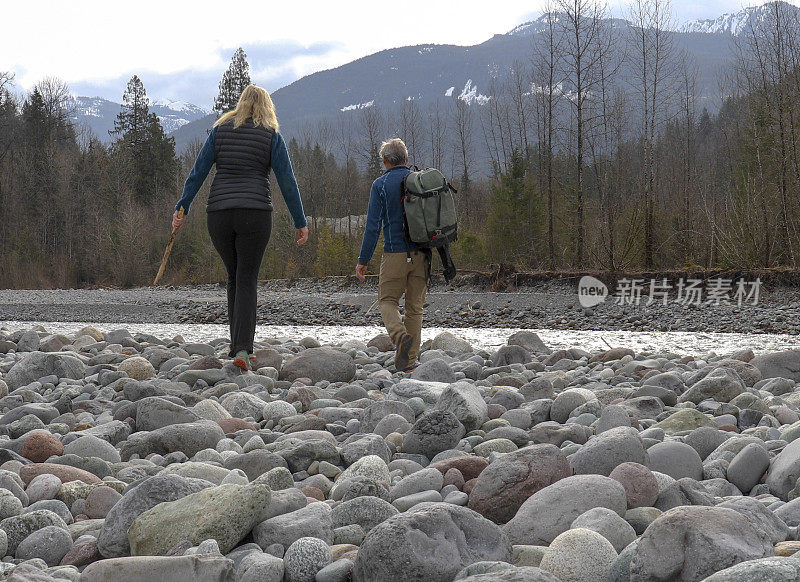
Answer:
(302, 235)
(361, 272)
(177, 221)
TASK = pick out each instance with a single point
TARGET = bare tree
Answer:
(437, 127)
(546, 81)
(656, 83)
(411, 129)
(462, 120)
(371, 129)
(581, 21)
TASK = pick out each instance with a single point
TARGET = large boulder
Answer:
(604, 452)
(19, 527)
(37, 365)
(550, 511)
(434, 432)
(773, 569)
(137, 368)
(721, 384)
(113, 539)
(192, 568)
(528, 340)
(432, 542)
(465, 401)
(449, 342)
(758, 515)
(153, 413)
(784, 470)
(678, 460)
(226, 513)
(319, 364)
(509, 481)
(784, 364)
(314, 521)
(189, 438)
(690, 543)
(579, 555)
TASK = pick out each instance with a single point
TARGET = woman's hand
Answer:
(177, 221)
(302, 235)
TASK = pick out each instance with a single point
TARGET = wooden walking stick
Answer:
(168, 250)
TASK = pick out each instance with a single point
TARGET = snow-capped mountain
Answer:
(174, 114)
(98, 114)
(735, 23)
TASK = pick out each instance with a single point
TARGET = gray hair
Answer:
(394, 151)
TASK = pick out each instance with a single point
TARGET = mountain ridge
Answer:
(429, 73)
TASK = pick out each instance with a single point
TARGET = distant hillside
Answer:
(99, 114)
(430, 73)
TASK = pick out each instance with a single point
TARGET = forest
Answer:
(567, 165)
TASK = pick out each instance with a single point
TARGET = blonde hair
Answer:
(255, 103)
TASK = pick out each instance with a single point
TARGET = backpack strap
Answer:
(406, 235)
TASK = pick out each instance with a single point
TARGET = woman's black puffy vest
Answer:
(243, 158)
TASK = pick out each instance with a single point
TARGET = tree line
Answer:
(595, 153)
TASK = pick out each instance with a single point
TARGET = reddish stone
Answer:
(310, 423)
(351, 555)
(381, 341)
(301, 394)
(231, 425)
(82, 554)
(40, 446)
(267, 359)
(63, 472)
(510, 381)
(469, 485)
(100, 501)
(453, 477)
(206, 363)
(496, 411)
(506, 484)
(728, 428)
(469, 466)
(612, 354)
(313, 493)
(641, 487)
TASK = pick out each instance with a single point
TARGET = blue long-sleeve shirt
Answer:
(385, 213)
(281, 165)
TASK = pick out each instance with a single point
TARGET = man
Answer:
(404, 268)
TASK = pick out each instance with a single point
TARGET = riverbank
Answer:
(544, 304)
(326, 464)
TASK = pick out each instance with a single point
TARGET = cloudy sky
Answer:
(180, 48)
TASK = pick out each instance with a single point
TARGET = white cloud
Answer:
(100, 43)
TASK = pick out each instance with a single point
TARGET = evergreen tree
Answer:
(233, 82)
(333, 254)
(34, 119)
(515, 219)
(132, 120)
(144, 145)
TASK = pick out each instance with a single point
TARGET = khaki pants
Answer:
(398, 276)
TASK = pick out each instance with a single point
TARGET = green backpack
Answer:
(429, 209)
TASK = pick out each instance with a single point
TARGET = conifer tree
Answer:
(233, 82)
(143, 142)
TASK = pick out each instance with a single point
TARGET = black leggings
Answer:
(240, 236)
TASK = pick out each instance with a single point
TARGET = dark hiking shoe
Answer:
(410, 368)
(403, 348)
(242, 360)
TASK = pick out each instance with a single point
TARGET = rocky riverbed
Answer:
(549, 304)
(138, 458)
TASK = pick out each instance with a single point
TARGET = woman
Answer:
(245, 145)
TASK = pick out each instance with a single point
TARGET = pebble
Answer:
(588, 463)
